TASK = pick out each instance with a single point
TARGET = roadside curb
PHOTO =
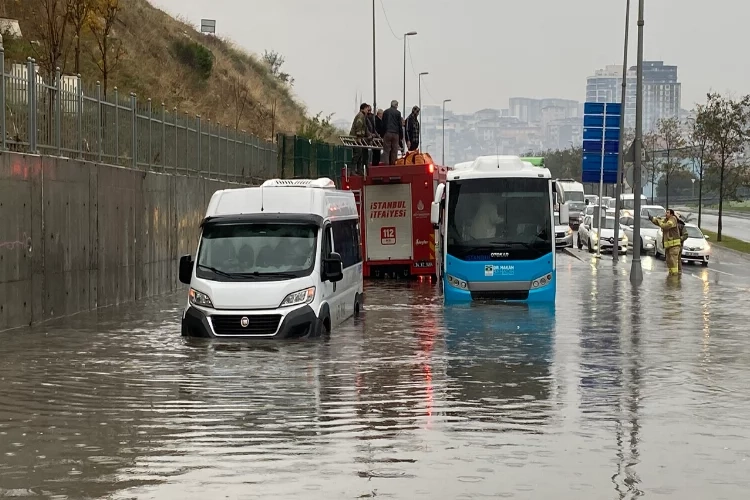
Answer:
(567, 251)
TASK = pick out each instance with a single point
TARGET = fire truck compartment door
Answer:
(389, 226)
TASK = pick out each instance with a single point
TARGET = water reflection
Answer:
(601, 354)
(499, 360)
(618, 392)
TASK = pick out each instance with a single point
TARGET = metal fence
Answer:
(64, 117)
(302, 158)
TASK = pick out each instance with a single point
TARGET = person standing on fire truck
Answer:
(394, 133)
(412, 129)
(359, 130)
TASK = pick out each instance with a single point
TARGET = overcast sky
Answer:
(479, 52)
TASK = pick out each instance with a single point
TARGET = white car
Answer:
(591, 210)
(653, 210)
(695, 249)
(648, 233)
(563, 233)
(588, 235)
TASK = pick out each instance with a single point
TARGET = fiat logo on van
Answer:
(244, 322)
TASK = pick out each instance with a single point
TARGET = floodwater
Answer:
(616, 394)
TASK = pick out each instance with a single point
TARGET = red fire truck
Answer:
(398, 239)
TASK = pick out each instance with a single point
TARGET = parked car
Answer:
(591, 210)
(653, 210)
(648, 233)
(563, 233)
(696, 248)
(591, 199)
(588, 235)
(576, 213)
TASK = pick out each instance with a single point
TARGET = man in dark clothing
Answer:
(412, 129)
(359, 130)
(394, 133)
(380, 130)
(373, 134)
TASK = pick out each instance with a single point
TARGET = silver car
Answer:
(563, 233)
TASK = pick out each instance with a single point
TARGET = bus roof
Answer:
(499, 166)
(537, 161)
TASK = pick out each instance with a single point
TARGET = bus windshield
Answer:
(501, 213)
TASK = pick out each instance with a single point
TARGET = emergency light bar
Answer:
(321, 183)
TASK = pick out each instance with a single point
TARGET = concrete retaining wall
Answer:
(75, 235)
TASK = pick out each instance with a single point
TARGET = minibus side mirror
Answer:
(186, 269)
(333, 268)
(706, 236)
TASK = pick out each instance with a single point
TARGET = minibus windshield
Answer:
(256, 251)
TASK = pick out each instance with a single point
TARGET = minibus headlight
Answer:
(199, 299)
(300, 297)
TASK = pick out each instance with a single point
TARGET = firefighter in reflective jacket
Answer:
(671, 239)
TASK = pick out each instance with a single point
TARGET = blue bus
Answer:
(496, 231)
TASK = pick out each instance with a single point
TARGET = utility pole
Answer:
(374, 63)
(621, 160)
(420, 99)
(444, 101)
(406, 35)
(636, 271)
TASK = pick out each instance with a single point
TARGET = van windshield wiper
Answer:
(280, 274)
(216, 271)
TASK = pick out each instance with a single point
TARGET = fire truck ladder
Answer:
(360, 142)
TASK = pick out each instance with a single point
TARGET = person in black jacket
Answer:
(380, 130)
(412, 129)
(373, 133)
(394, 133)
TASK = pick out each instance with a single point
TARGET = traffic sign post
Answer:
(601, 150)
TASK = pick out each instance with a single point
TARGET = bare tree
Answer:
(49, 25)
(240, 97)
(650, 144)
(79, 15)
(725, 123)
(672, 143)
(109, 49)
(698, 141)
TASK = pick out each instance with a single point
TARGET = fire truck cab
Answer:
(398, 238)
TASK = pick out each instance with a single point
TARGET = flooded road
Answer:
(615, 395)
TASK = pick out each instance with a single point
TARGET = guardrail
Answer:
(61, 116)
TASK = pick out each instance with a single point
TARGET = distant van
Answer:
(282, 260)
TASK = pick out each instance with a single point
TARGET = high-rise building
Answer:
(661, 94)
(605, 85)
(661, 91)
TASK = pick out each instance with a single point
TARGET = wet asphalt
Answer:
(618, 392)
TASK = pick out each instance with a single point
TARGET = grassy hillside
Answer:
(168, 60)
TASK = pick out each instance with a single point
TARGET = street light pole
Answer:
(374, 64)
(424, 73)
(636, 271)
(621, 160)
(444, 101)
(406, 35)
